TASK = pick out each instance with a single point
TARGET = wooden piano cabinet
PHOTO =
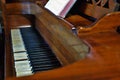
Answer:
(101, 61)
(63, 45)
(86, 12)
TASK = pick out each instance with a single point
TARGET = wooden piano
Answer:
(92, 54)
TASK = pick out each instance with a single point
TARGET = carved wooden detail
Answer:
(104, 3)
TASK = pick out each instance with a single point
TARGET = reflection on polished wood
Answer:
(101, 41)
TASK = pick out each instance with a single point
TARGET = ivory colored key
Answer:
(18, 69)
(24, 73)
(17, 42)
(23, 68)
(24, 63)
(20, 56)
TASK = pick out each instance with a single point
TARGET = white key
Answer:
(17, 42)
(20, 56)
(21, 69)
(18, 69)
(25, 73)
(23, 63)
(22, 66)
(25, 67)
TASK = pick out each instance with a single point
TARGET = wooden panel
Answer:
(85, 12)
(60, 37)
(109, 22)
(94, 11)
(78, 20)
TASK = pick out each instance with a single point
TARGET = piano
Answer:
(92, 53)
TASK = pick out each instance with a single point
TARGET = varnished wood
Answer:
(88, 11)
(107, 23)
(60, 38)
(98, 9)
(102, 62)
(77, 20)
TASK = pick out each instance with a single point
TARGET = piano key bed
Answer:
(31, 52)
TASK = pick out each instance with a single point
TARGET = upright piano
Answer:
(42, 46)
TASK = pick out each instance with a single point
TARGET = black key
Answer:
(39, 53)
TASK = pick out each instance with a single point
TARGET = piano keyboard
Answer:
(31, 53)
